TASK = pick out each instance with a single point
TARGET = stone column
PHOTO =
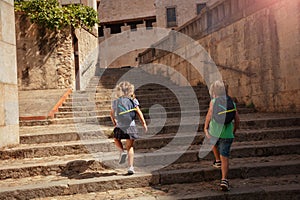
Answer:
(125, 28)
(9, 106)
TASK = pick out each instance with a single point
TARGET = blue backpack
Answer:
(224, 110)
(125, 112)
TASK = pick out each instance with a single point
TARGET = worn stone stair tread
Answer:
(286, 191)
(33, 136)
(86, 128)
(169, 110)
(35, 182)
(142, 178)
(265, 116)
(107, 98)
(43, 161)
(276, 130)
(181, 149)
(260, 187)
(277, 142)
(102, 140)
(140, 155)
(144, 136)
(235, 163)
(61, 144)
(105, 113)
(60, 128)
(187, 120)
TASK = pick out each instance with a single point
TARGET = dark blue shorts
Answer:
(131, 133)
(223, 145)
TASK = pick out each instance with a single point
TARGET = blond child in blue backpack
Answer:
(124, 97)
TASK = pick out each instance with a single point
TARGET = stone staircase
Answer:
(73, 157)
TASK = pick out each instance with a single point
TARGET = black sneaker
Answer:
(224, 185)
(217, 164)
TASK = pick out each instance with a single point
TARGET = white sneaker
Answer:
(131, 170)
(122, 159)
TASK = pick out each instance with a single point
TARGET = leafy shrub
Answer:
(51, 14)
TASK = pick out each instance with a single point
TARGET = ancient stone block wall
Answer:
(88, 56)
(45, 58)
(185, 10)
(9, 112)
(116, 10)
(256, 47)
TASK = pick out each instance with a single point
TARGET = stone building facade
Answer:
(53, 59)
(182, 11)
(119, 16)
(9, 113)
(255, 45)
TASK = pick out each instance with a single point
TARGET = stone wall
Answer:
(255, 45)
(88, 56)
(45, 57)
(185, 11)
(125, 9)
(9, 113)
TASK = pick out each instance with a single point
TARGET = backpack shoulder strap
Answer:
(124, 110)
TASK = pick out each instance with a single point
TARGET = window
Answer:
(100, 31)
(114, 28)
(200, 6)
(171, 17)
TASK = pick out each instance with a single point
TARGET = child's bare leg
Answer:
(130, 151)
(224, 167)
(119, 145)
(216, 153)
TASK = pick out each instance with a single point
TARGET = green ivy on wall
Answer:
(51, 14)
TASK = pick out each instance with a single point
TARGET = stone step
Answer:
(57, 164)
(148, 156)
(149, 94)
(79, 108)
(186, 122)
(99, 98)
(144, 108)
(144, 103)
(104, 180)
(152, 90)
(155, 113)
(251, 120)
(259, 188)
(34, 122)
(58, 149)
(55, 133)
(107, 113)
(61, 133)
(158, 141)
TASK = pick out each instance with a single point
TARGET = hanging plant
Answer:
(51, 14)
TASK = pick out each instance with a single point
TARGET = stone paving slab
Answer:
(203, 190)
(35, 103)
(62, 128)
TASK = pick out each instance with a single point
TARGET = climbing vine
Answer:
(51, 14)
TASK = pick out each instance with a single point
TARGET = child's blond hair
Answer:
(124, 89)
(218, 88)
